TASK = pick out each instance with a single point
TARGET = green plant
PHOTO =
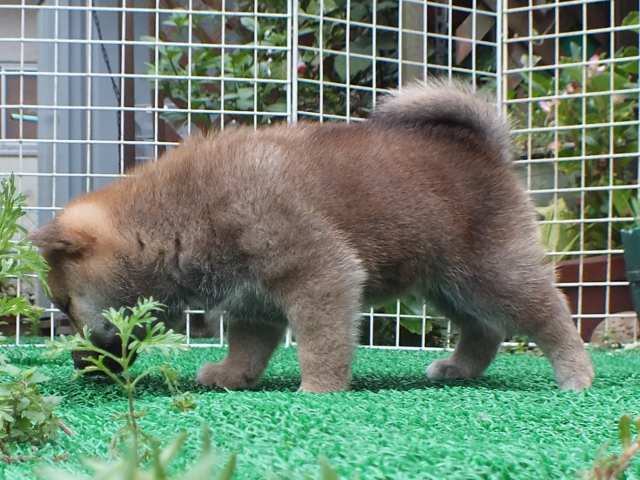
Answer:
(25, 414)
(19, 258)
(634, 207)
(613, 466)
(235, 64)
(409, 305)
(206, 467)
(570, 111)
(560, 238)
(139, 331)
(240, 65)
(127, 467)
(181, 401)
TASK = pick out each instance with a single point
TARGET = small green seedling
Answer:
(139, 331)
(614, 466)
(25, 414)
(182, 401)
(127, 466)
(326, 470)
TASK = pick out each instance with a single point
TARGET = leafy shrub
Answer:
(25, 414)
(242, 64)
(19, 258)
(593, 139)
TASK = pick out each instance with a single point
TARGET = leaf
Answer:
(34, 415)
(330, 6)
(229, 468)
(624, 430)
(11, 370)
(602, 82)
(50, 473)
(184, 402)
(630, 67)
(576, 50)
(37, 377)
(169, 453)
(340, 67)
(249, 23)
(414, 325)
(621, 202)
(312, 8)
(359, 11)
(279, 107)
(387, 5)
(326, 471)
(632, 20)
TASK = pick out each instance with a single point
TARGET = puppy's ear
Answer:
(56, 238)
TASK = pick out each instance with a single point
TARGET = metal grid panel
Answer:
(351, 52)
(120, 81)
(570, 83)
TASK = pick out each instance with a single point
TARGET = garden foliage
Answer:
(584, 129)
(25, 414)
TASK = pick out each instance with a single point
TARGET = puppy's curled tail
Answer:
(451, 104)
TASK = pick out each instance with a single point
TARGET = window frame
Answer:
(27, 147)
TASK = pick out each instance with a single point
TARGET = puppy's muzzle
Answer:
(112, 345)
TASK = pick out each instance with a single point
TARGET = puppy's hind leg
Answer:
(477, 347)
(547, 320)
(522, 299)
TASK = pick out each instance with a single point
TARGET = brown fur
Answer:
(302, 224)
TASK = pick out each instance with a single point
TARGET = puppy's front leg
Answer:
(323, 314)
(250, 347)
(325, 350)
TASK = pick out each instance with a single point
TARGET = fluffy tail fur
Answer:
(449, 104)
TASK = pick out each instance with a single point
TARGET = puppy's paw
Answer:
(447, 369)
(576, 382)
(223, 376)
(314, 387)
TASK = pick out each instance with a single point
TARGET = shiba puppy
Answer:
(301, 225)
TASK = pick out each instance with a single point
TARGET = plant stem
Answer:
(65, 429)
(625, 458)
(132, 417)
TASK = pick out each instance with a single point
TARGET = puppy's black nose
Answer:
(113, 346)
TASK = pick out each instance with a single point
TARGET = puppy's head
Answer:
(83, 251)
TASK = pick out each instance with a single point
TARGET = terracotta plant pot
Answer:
(594, 297)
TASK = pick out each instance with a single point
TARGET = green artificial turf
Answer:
(513, 423)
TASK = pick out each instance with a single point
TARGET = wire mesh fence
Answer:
(571, 85)
(89, 89)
